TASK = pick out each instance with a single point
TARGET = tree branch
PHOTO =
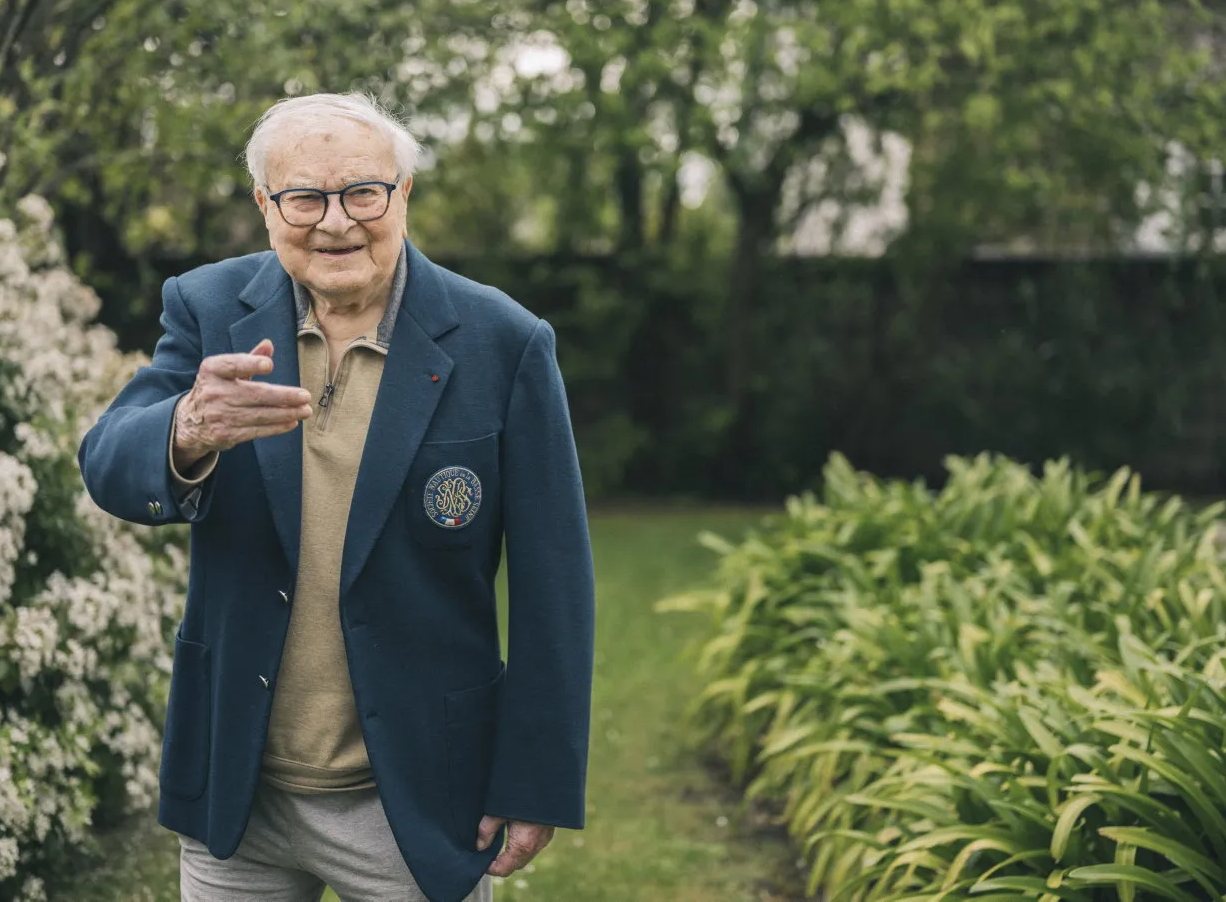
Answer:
(15, 27)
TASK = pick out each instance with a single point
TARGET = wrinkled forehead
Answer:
(329, 153)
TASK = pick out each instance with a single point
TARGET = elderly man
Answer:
(351, 431)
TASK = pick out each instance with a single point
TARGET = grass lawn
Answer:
(660, 826)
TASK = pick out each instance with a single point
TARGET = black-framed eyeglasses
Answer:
(361, 201)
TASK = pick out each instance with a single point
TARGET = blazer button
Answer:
(264, 680)
(284, 596)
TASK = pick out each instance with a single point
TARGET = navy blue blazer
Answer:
(453, 732)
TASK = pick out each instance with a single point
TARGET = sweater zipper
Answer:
(330, 382)
(326, 397)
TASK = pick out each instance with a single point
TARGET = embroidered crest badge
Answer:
(452, 497)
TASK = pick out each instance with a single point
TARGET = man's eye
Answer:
(301, 198)
(363, 193)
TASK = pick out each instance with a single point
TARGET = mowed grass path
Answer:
(659, 825)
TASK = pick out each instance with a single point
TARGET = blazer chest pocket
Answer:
(453, 492)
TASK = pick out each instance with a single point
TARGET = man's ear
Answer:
(405, 189)
(261, 199)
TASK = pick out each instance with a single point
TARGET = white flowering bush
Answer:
(88, 603)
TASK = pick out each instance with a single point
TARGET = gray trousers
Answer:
(295, 843)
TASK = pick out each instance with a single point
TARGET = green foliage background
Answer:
(557, 134)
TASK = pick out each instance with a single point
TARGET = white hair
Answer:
(310, 109)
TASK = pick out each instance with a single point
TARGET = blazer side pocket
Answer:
(470, 716)
(185, 742)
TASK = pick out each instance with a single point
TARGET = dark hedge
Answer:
(1111, 362)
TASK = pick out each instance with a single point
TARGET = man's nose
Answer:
(335, 218)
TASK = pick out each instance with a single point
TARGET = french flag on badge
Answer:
(451, 521)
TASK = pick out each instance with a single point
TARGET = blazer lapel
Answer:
(404, 406)
(280, 456)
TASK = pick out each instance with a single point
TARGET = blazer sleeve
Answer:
(124, 457)
(544, 707)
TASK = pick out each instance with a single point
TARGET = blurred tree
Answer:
(1031, 120)
(130, 113)
(1033, 123)
(568, 126)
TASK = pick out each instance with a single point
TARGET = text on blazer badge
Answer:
(452, 497)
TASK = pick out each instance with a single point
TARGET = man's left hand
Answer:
(524, 840)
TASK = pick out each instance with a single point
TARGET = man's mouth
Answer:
(339, 251)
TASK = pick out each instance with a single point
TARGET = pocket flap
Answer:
(475, 703)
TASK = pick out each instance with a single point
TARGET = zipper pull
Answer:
(327, 395)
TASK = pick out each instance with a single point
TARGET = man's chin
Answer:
(338, 282)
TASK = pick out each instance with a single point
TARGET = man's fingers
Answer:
(524, 841)
(243, 417)
(509, 860)
(237, 366)
(265, 394)
(247, 433)
(486, 829)
(264, 348)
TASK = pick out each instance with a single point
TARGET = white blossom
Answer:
(89, 649)
(34, 636)
(33, 890)
(8, 857)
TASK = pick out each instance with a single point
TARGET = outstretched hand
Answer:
(226, 406)
(524, 840)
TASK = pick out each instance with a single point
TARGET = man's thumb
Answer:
(264, 348)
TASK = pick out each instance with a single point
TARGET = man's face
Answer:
(337, 257)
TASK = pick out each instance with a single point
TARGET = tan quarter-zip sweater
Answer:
(315, 741)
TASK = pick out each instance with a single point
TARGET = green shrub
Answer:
(87, 602)
(1008, 688)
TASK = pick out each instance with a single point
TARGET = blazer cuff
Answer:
(198, 472)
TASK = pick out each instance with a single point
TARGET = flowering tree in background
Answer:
(87, 602)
